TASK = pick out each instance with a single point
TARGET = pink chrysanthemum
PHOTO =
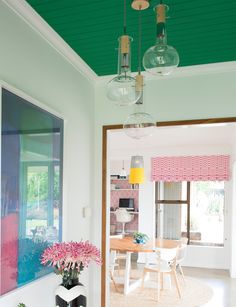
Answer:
(69, 258)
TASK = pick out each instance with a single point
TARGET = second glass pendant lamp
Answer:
(121, 89)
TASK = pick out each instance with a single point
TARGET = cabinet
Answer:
(121, 188)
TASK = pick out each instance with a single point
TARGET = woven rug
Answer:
(194, 293)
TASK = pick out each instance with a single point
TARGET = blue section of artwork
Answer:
(31, 189)
(29, 266)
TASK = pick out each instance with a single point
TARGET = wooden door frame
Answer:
(104, 178)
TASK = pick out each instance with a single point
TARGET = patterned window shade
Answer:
(190, 168)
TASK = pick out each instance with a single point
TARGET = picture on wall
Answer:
(31, 189)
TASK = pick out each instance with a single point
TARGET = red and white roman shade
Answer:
(190, 168)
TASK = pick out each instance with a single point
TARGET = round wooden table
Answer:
(127, 244)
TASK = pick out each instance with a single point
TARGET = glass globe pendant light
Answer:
(139, 124)
(161, 59)
(121, 89)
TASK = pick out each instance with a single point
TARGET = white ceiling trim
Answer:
(187, 71)
(41, 27)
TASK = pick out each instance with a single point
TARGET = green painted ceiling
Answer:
(202, 31)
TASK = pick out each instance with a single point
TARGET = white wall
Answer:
(30, 64)
(146, 212)
(204, 95)
(117, 165)
(232, 213)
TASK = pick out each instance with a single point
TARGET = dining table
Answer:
(128, 246)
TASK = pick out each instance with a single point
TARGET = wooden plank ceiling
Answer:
(202, 31)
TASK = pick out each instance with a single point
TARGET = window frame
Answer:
(181, 202)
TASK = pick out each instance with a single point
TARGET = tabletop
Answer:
(126, 244)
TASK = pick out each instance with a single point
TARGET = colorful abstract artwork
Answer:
(31, 189)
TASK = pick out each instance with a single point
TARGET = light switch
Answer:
(87, 212)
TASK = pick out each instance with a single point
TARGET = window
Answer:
(207, 212)
(191, 209)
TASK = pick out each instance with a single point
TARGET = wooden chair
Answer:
(112, 266)
(181, 255)
(118, 256)
(113, 281)
(166, 264)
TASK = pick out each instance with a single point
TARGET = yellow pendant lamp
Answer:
(136, 170)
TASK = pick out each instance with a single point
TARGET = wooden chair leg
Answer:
(162, 281)
(113, 281)
(177, 283)
(118, 270)
(158, 286)
(143, 278)
(181, 272)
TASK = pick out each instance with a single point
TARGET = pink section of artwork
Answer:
(122, 189)
(190, 168)
(9, 253)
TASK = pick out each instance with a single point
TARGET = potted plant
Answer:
(140, 238)
(21, 305)
(69, 259)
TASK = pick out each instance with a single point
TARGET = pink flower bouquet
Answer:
(70, 258)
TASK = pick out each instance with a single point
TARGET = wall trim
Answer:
(41, 27)
(187, 71)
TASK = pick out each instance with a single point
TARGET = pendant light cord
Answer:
(139, 40)
(125, 17)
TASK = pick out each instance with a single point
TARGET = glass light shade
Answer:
(139, 125)
(136, 162)
(123, 174)
(121, 91)
(160, 59)
(136, 175)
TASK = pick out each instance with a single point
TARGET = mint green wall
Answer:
(30, 64)
(176, 98)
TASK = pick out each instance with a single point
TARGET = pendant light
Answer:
(123, 174)
(161, 59)
(136, 175)
(139, 124)
(121, 89)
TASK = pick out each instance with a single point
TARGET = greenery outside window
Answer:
(191, 209)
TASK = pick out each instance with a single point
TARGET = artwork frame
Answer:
(31, 174)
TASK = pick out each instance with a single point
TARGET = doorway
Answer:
(105, 234)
